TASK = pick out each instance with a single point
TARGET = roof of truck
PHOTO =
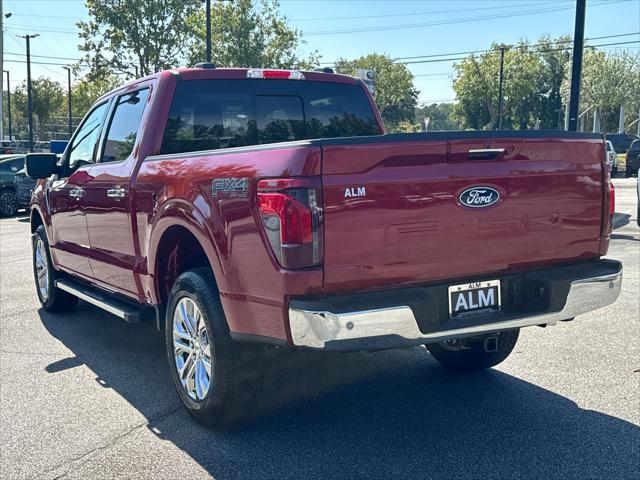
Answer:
(197, 73)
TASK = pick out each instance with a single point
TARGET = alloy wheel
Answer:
(42, 269)
(191, 349)
(8, 204)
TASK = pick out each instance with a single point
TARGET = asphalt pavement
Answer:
(84, 395)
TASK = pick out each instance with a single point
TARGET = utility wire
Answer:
(413, 14)
(453, 21)
(516, 46)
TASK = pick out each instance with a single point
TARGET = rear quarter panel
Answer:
(177, 190)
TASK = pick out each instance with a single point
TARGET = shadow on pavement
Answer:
(391, 414)
(617, 236)
(620, 220)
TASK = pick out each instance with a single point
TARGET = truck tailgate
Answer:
(393, 212)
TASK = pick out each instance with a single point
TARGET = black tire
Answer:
(56, 300)
(235, 367)
(614, 172)
(8, 203)
(474, 357)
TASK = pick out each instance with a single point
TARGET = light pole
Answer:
(576, 68)
(9, 103)
(68, 69)
(2, 17)
(208, 26)
(208, 23)
(29, 92)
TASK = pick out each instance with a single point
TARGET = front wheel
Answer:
(472, 354)
(215, 376)
(51, 297)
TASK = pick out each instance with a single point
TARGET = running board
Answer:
(128, 312)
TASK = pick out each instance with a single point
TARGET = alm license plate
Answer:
(474, 297)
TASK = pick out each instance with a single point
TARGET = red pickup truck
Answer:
(243, 208)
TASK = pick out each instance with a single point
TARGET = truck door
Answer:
(70, 242)
(108, 197)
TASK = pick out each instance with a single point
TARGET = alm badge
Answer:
(350, 192)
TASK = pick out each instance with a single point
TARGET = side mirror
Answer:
(41, 165)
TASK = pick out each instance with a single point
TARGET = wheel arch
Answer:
(180, 240)
(35, 219)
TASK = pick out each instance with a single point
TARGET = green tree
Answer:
(609, 79)
(136, 37)
(477, 84)
(248, 34)
(395, 93)
(48, 103)
(440, 116)
(88, 89)
(555, 58)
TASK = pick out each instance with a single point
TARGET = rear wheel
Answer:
(52, 298)
(215, 376)
(8, 203)
(472, 354)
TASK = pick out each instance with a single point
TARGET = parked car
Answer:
(633, 159)
(621, 141)
(10, 165)
(246, 208)
(24, 188)
(612, 158)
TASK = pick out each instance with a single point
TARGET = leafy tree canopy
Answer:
(48, 101)
(248, 34)
(440, 116)
(395, 93)
(609, 80)
(86, 91)
(136, 37)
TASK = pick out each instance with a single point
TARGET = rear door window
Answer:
(121, 136)
(212, 114)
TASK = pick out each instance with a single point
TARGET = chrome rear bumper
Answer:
(397, 326)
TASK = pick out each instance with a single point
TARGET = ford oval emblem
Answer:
(479, 197)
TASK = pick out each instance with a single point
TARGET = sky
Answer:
(351, 28)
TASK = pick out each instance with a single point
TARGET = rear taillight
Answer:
(291, 214)
(277, 74)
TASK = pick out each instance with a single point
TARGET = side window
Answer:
(17, 165)
(13, 166)
(124, 125)
(82, 149)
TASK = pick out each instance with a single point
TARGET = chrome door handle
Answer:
(117, 192)
(77, 192)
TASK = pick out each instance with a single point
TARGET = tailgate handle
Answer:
(484, 153)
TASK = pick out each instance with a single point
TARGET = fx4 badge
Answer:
(355, 192)
(232, 187)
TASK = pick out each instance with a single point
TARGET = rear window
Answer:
(211, 114)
